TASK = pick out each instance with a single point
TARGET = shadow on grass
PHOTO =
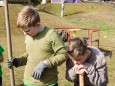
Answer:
(45, 6)
(107, 53)
(74, 13)
(42, 10)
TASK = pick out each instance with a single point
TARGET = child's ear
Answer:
(87, 53)
(38, 24)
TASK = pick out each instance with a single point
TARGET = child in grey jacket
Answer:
(88, 61)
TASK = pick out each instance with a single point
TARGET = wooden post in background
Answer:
(62, 8)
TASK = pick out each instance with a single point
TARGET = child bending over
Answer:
(88, 61)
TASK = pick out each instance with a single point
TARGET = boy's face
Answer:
(31, 31)
(80, 58)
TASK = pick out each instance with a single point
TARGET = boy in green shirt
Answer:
(44, 50)
(1, 60)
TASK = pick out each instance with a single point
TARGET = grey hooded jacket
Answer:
(96, 67)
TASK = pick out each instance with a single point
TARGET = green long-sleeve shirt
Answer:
(45, 46)
(1, 51)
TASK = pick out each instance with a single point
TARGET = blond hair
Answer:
(27, 17)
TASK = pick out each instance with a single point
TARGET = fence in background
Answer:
(25, 1)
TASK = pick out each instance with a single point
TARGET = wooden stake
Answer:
(81, 80)
(9, 41)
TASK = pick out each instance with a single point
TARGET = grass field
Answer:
(90, 15)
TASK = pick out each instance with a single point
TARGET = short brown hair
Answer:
(27, 17)
(75, 47)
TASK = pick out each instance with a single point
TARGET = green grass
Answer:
(95, 24)
(97, 15)
(85, 14)
(111, 68)
(73, 8)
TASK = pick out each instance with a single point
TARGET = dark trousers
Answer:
(0, 80)
(75, 84)
(56, 84)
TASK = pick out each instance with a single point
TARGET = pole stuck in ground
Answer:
(9, 40)
(81, 80)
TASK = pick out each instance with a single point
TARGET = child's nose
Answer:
(75, 62)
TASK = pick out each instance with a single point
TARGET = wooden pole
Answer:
(9, 41)
(81, 80)
(62, 8)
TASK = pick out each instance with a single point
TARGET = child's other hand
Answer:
(39, 69)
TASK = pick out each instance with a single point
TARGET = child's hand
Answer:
(1, 58)
(79, 69)
(39, 69)
(14, 62)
